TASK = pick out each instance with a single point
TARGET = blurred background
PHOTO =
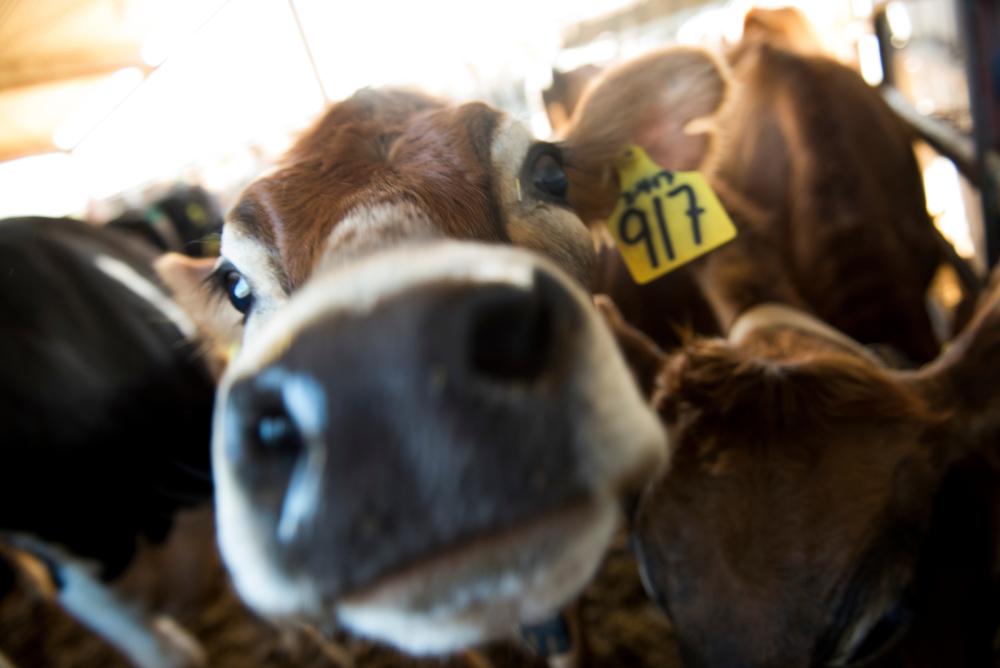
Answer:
(106, 105)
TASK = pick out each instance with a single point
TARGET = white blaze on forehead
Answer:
(368, 228)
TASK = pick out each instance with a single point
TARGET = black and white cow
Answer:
(105, 414)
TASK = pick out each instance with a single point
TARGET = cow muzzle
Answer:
(429, 446)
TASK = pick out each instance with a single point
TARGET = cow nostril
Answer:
(275, 433)
(510, 335)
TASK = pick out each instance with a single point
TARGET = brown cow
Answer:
(821, 509)
(809, 155)
(426, 431)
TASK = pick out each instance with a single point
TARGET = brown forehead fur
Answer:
(378, 147)
(779, 386)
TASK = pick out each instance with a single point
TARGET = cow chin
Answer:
(435, 493)
(470, 595)
(484, 592)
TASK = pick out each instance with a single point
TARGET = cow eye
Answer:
(547, 174)
(240, 295)
(236, 287)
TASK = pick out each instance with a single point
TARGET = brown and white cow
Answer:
(428, 428)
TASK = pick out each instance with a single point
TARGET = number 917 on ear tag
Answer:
(664, 219)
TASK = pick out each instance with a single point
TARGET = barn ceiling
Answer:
(62, 60)
(56, 53)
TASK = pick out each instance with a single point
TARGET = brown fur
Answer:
(809, 142)
(379, 147)
(815, 169)
(810, 486)
(782, 383)
(649, 101)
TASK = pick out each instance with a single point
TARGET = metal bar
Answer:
(111, 112)
(309, 53)
(942, 137)
(980, 25)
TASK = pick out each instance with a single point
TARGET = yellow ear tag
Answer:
(664, 219)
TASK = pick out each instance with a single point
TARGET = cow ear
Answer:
(662, 102)
(962, 380)
(219, 326)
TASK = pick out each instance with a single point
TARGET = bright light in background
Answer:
(945, 204)
(703, 27)
(870, 59)
(448, 47)
(157, 49)
(861, 9)
(245, 75)
(105, 98)
(723, 24)
(166, 27)
(231, 76)
(224, 90)
(42, 185)
(899, 23)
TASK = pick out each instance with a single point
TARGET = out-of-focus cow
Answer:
(808, 142)
(813, 159)
(821, 509)
(185, 220)
(105, 419)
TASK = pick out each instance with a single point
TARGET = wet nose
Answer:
(437, 415)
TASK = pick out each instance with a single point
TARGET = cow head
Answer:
(822, 510)
(428, 426)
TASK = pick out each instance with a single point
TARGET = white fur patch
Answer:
(239, 529)
(150, 293)
(373, 227)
